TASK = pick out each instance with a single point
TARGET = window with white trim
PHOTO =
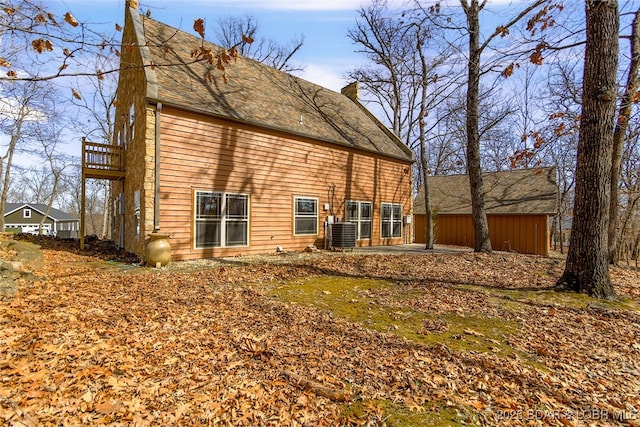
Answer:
(359, 213)
(305, 216)
(391, 225)
(221, 219)
(26, 213)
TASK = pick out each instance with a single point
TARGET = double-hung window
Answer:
(305, 216)
(236, 221)
(221, 219)
(360, 214)
(391, 220)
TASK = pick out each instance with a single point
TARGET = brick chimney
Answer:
(352, 91)
(132, 4)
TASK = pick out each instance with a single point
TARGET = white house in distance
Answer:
(26, 218)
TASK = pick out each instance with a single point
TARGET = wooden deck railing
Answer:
(100, 160)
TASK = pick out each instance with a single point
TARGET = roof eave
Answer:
(32, 207)
(145, 53)
(16, 209)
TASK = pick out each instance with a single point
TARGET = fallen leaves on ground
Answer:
(101, 343)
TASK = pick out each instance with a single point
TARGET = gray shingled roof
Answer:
(257, 94)
(526, 191)
(54, 213)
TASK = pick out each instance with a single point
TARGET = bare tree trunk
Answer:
(424, 164)
(619, 138)
(559, 218)
(587, 267)
(49, 137)
(7, 171)
(476, 185)
(627, 215)
(54, 190)
(384, 43)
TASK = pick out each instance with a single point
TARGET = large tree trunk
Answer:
(635, 251)
(478, 213)
(619, 137)
(587, 267)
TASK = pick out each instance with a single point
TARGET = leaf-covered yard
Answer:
(314, 339)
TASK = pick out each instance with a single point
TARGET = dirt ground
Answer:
(324, 338)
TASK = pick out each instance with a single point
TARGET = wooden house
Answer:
(242, 163)
(26, 218)
(519, 204)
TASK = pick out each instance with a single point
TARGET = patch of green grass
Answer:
(512, 298)
(394, 415)
(474, 333)
(377, 304)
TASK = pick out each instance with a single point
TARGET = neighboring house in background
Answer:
(518, 203)
(227, 168)
(26, 217)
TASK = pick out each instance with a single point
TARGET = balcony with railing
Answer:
(102, 161)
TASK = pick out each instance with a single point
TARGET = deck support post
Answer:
(82, 200)
(99, 161)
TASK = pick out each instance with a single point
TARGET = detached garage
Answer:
(519, 205)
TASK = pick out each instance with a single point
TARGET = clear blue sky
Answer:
(327, 53)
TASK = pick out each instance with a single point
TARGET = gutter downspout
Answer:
(156, 189)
